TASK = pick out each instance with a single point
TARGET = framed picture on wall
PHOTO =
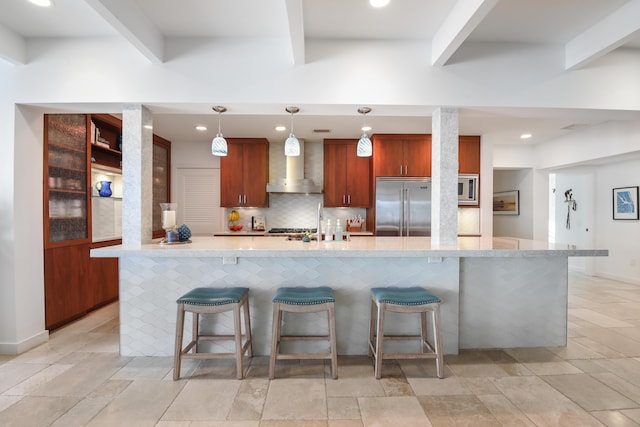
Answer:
(625, 203)
(506, 203)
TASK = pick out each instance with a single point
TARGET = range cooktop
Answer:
(292, 230)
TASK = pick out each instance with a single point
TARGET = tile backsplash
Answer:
(296, 211)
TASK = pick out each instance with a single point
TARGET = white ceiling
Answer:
(141, 22)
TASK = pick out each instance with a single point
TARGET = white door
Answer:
(199, 199)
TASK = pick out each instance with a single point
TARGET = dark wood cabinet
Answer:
(244, 173)
(401, 155)
(103, 279)
(74, 282)
(469, 155)
(161, 181)
(346, 176)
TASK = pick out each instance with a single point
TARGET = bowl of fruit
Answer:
(234, 217)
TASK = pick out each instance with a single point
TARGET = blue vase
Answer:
(104, 188)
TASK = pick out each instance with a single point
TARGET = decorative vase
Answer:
(104, 188)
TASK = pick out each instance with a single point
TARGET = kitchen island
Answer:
(496, 292)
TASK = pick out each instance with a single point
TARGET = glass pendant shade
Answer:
(364, 149)
(219, 144)
(292, 145)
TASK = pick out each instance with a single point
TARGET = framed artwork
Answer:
(625, 203)
(506, 203)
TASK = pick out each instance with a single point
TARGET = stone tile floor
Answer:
(78, 379)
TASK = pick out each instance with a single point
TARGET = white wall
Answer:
(520, 226)
(622, 238)
(575, 227)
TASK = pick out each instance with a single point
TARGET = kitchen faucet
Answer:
(319, 230)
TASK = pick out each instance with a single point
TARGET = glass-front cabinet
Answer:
(66, 179)
(82, 203)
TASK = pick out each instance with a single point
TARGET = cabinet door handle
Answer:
(349, 199)
(343, 199)
(239, 199)
(244, 199)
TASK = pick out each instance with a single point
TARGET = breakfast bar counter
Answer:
(496, 292)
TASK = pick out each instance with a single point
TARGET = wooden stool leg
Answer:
(247, 326)
(437, 340)
(379, 341)
(372, 325)
(332, 341)
(238, 340)
(275, 339)
(195, 332)
(423, 331)
(177, 357)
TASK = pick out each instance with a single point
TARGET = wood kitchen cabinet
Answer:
(469, 154)
(244, 173)
(401, 155)
(346, 176)
(74, 282)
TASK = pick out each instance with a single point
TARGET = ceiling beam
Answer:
(13, 47)
(128, 20)
(296, 30)
(603, 37)
(463, 19)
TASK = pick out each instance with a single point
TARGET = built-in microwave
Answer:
(468, 189)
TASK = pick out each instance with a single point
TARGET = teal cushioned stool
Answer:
(209, 301)
(303, 300)
(405, 300)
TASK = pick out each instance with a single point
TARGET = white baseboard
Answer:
(24, 345)
(619, 278)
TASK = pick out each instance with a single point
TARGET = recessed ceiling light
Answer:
(281, 128)
(525, 136)
(379, 3)
(201, 128)
(366, 128)
(42, 3)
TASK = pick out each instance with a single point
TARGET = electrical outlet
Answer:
(229, 260)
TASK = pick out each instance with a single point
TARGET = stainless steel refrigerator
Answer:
(403, 206)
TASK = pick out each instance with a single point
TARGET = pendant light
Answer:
(292, 145)
(364, 149)
(219, 144)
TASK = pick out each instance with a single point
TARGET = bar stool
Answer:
(303, 300)
(404, 300)
(213, 300)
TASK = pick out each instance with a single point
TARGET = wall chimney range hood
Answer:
(294, 181)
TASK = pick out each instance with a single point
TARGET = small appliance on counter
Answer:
(257, 223)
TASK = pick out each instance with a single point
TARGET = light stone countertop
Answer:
(369, 247)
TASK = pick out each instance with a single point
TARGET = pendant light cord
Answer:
(291, 133)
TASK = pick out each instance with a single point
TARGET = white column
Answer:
(21, 255)
(137, 175)
(444, 173)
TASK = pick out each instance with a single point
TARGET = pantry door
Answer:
(198, 199)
